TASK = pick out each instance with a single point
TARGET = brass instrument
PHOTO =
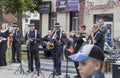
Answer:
(93, 29)
(50, 45)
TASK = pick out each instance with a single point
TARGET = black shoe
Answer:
(29, 71)
(13, 61)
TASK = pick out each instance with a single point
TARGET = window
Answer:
(75, 21)
(26, 20)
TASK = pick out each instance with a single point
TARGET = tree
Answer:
(19, 6)
(1, 5)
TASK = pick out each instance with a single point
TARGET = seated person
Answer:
(47, 38)
(90, 58)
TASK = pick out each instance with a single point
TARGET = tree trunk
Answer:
(1, 17)
(19, 19)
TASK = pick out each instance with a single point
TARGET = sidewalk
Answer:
(9, 73)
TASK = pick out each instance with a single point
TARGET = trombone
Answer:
(93, 29)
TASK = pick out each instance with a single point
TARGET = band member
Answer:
(4, 36)
(33, 37)
(16, 44)
(78, 41)
(47, 38)
(98, 38)
(57, 36)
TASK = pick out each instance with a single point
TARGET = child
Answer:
(90, 58)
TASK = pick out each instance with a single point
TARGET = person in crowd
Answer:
(16, 44)
(91, 59)
(98, 37)
(33, 38)
(57, 36)
(47, 38)
(78, 42)
(4, 37)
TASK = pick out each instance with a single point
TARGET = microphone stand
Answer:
(67, 53)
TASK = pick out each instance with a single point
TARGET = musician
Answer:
(57, 35)
(16, 44)
(98, 38)
(47, 38)
(4, 36)
(78, 41)
(32, 37)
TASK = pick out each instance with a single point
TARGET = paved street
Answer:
(9, 73)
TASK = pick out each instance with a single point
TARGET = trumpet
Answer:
(93, 29)
(50, 45)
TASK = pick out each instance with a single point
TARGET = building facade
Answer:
(66, 12)
(106, 9)
(27, 18)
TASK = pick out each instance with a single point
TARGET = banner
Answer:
(67, 5)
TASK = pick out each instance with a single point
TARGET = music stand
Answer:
(38, 73)
(54, 74)
(20, 68)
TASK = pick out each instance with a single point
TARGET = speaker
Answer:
(116, 70)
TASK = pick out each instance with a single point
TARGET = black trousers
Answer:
(33, 54)
(3, 48)
(16, 52)
(56, 55)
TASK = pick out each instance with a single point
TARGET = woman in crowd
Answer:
(4, 35)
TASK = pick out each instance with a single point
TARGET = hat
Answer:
(88, 51)
(57, 25)
(15, 25)
(32, 24)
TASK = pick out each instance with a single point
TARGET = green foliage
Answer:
(14, 6)
(18, 7)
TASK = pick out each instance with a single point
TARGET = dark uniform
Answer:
(16, 44)
(33, 38)
(57, 36)
(99, 36)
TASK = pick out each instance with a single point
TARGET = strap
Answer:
(28, 34)
(35, 33)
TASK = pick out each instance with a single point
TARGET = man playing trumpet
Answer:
(78, 42)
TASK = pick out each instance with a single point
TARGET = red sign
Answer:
(92, 5)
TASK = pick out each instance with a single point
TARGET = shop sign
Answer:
(67, 5)
(45, 7)
(92, 5)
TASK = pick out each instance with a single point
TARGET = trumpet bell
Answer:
(50, 45)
